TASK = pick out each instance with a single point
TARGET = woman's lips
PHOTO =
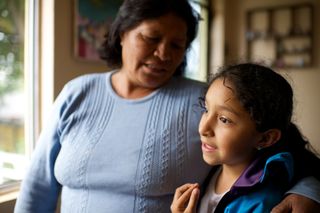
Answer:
(155, 69)
(207, 148)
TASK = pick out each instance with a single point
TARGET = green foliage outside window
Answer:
(12, 141)
(11, 45)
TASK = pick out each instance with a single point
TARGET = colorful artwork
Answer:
(92, 18)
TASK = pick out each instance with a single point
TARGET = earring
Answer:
(259, 148)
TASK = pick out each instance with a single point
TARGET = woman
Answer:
(122, 141)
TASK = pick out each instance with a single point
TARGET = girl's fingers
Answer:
(192, 205)
(181, 190)
(185, 196)
(182, 196)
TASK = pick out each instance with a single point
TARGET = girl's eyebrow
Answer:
(228, 109)
(225, 107)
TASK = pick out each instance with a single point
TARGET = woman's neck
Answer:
(126, 89)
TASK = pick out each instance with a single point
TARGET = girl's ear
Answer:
(269, 138)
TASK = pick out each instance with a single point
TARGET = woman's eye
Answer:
(178, 46)
(150, 39)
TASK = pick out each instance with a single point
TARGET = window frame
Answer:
(201, 74)
(9, 191)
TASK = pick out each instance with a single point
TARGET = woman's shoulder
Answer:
(188, 84)
(87, 82)
(86, 79)
(82, 89)
(84, 84)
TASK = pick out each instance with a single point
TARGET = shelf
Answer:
(281, 34)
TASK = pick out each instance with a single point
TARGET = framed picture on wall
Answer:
(92, 18)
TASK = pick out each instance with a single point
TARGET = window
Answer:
(197, 67)
(17, 88)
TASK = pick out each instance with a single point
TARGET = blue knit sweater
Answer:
(109, 154)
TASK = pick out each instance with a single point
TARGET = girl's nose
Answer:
(206, 127)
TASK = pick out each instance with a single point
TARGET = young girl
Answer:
(246, 128)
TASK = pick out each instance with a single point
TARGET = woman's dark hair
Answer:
(133, 12)
(268, 98)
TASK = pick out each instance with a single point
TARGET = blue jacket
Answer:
(261, 186)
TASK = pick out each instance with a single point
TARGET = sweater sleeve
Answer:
(40, 190)
(308, 187)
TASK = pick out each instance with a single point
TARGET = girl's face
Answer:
(228, 134)
(152, 51)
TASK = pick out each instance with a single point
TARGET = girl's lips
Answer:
(207, 148)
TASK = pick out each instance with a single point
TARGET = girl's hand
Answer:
(185, 199)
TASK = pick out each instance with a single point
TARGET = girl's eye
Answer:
(202, 105)
(225, 120)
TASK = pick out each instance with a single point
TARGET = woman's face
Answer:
(228, 134)
(152, 51)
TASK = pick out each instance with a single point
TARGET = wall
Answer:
(7, 207)
(304, 81)
(66, 66)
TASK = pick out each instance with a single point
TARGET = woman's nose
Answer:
(163, 52)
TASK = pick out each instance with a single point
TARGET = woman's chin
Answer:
(153, 82)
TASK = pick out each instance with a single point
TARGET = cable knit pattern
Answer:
(165, 143)
(181, 146)
(145, 179)
(94, 129)
(109, 154)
